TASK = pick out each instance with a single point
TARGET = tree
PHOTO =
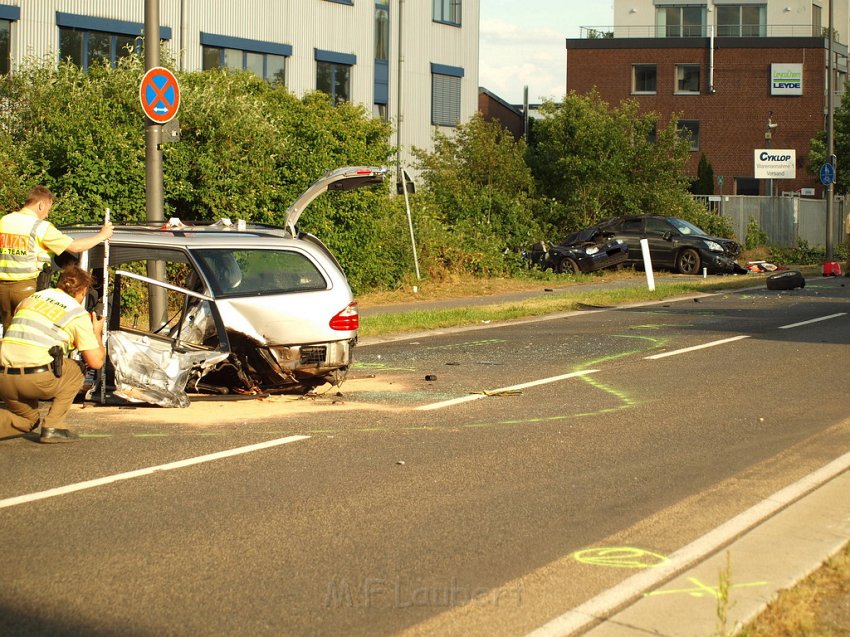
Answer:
(479, 186)
(591, 162)
(248, 148)
(705, 177)
(841, 146)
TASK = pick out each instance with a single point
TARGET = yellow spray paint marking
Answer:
(381, 366)
(620, 557)
(702, 590)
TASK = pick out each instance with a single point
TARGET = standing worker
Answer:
(26, 241)
(33, 356)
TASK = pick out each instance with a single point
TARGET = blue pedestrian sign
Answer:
(827, 174)
(160, 95)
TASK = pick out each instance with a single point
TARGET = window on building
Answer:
(746, 186)
(687, 79)
(5, 47)
(445, 94)
(741, 20)
(86, 40)
(689, 129)
(381, 111)
(85, 48)
(644, 79)
(447, 11)
(8, 15)
(264, 59)
(382, 32)
(268, 66)
(333, 74)
(335, 80)
(680, 22)
(817, 21)
(382, 60)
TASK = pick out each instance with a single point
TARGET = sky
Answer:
(522, 43)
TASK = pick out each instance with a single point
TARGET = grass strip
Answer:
(423, 320)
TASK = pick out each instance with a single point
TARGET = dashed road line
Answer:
(179, 464)
(815, 320)
(696, 347)
(533, 383)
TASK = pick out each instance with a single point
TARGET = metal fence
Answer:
(785, 220)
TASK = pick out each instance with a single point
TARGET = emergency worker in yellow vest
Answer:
(48, 319)
(26, 241)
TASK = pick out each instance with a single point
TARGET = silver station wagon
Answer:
(226, 307)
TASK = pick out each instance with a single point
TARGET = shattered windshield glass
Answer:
(254, 272)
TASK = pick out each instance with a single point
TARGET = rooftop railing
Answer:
(697, 31)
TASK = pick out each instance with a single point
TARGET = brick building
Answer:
(738, 82)
(494, 108)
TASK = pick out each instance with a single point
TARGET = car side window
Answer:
(255, 272)
(657, 227)
(135, 297)
(632, 226)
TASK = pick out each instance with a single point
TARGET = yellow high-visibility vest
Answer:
(42, 320)
(21, 254)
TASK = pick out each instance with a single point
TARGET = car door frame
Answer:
(161, 342)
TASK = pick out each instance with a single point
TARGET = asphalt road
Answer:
(406, 505)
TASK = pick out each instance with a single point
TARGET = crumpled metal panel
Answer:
(149, 371)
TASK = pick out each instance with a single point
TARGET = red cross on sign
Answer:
(159, 94)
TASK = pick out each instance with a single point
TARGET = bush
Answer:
(756, 237)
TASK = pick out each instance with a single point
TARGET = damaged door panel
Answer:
(154, 365)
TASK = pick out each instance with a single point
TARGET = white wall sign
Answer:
(775, 163)
(786, 79)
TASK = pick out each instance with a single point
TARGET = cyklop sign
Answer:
(775, 163)
(786, 79)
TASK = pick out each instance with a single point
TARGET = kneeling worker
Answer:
(51, 318)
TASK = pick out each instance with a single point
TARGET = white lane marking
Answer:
(179, 464)
(533, 383)
(817, 320)
(695, 347)
(627, 591)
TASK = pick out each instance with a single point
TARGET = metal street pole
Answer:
(830, 142)
(153, 168)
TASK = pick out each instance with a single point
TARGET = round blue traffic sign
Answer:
(159, 94)
(827, 174)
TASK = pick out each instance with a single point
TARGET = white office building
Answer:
(414, 62)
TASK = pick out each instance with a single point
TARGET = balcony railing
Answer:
(695, 31)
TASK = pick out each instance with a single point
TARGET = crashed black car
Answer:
(674, 244)
(580, 253)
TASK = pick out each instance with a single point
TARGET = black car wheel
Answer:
(688, 261)
(568, 266)
(786, 281)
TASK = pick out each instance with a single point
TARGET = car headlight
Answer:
(714, 246)
(591, 250)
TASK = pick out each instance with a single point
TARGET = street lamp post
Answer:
(768, 137)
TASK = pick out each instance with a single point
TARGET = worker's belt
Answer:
(25, 370)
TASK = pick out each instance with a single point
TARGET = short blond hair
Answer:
(40, 193)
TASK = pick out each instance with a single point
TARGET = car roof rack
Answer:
(179, 227)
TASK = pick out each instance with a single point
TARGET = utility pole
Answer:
(830, 142)
(157, 311)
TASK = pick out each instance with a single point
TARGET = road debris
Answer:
(498, 392)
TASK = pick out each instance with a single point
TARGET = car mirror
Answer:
(667, 236)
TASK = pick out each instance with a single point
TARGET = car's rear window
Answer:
(249, 272)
